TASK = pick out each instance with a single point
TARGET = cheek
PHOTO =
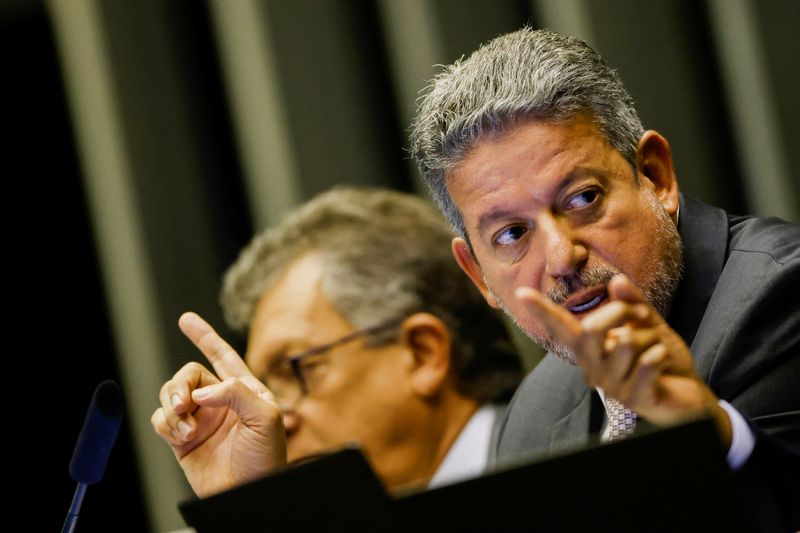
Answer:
(627, 241)
(503, 279)
(352, 409)
(323, 426)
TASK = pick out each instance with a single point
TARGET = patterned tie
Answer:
(621, 421)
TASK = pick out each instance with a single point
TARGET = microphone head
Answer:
(98, 435)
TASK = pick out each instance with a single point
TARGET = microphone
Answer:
(90, 457)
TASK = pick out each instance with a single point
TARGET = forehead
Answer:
(296, 293)
(294, 311)
(529, 161)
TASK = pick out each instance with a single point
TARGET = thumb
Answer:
(256, 410)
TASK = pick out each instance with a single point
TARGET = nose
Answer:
(564, 254)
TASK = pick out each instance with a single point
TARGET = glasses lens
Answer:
(282, 382)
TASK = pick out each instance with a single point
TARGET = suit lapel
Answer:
(704, 232)
(572, 429)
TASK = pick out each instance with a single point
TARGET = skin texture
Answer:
(398, 401)
(543, 204)
(225, 427)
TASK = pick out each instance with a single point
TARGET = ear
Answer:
(469, 265)
(655, 168)
(427, 341)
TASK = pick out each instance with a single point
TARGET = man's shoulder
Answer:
(777, 239)
(551, 404)
(552, 380)
(749, 336)
(763, 257)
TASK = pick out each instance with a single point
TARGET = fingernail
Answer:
(175, 435)
(200, 394)
(176, 400)
(184, 428)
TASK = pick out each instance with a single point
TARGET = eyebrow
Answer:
(490, 218)
(575, 174)
(275, 355)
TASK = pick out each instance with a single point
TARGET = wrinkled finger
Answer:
(616, 361)
(563, 327)
(590, 357)
(629, 344)
(223, 358)
(164, 430)
(177, 405)
(175, 395)
(641, 387)
(559, 323)
(182, 424)
(613, 315)
(257, 410)
(622, 289)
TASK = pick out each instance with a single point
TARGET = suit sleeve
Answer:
(757, 370)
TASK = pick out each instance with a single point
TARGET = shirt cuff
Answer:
(742, 438)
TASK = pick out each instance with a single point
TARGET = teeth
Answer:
(588, 305)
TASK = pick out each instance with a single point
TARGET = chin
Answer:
(561, 351)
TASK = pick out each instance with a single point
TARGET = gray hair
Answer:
(386, 255)
(525, 75)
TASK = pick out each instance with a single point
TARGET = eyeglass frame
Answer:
(295, 361)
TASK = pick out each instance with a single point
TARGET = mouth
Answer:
(586, 301)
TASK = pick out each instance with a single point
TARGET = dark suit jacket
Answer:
(738, 308)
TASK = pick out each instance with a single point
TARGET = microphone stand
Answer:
(74, 508)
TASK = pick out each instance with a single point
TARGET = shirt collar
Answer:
(469, 454)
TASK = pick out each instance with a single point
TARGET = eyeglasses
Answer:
(287, 377)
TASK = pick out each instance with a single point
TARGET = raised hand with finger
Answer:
(225, 427)
(627, 349)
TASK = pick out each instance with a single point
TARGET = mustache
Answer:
(566, 285)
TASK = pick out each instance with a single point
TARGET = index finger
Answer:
(558, 321)
(224, 359)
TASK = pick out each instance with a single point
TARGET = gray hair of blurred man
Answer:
(386, 255)
(525, 75)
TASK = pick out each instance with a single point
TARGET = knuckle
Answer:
(157, 418)
(192, 368)
(252, 382)
(619, 307)
(230, 385)
(273, 414)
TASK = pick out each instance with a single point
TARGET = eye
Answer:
(279, 371)
(310, 369)
(582, 199)
(308, 364)
(510, 236)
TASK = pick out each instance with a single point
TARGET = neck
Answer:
(433, 436)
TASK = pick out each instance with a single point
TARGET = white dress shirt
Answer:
(469, 454)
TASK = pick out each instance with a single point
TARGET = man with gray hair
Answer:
(569, 218)
(361, 327)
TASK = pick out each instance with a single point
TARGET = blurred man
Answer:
(361, 327)
(569, 218)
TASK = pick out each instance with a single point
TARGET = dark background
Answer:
(345, 95)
